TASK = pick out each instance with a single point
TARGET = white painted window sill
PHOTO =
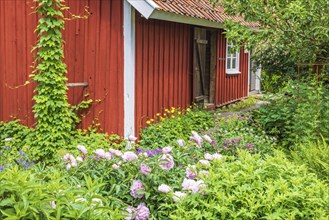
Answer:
(232, 72)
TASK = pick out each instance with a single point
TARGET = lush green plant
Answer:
(49, 193)
(54, 118)
(315, 156)
(298, 113)
(256, 188)
(245, 103)
(174, 124)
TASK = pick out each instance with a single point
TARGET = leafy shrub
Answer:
(299, 113)
(174, 124)
(239, 132)
(315, 156)
(245, 103)
(256, 188)
(40, 193)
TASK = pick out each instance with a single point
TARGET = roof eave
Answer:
(145, 7)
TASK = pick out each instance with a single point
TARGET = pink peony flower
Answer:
(117, 153)
(132, 138)
(112, 151)
(129, 156)
(167, 150)
(68, 166)
(208, 156)
(115, 166)
(135, 187)
(188, 184)
(108, 156)
(82, 149)
(196, 138)
(181, 142)
(207, 138)
(217, 156)
(145, 169)
(142, 212)
(204, 162)
(164, 188)
(130, 213)
(100, 153)
(166, 162)
(191, 172)
(178, 196)
(192, 185)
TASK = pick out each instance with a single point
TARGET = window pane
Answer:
(228, 64)
(233, 63)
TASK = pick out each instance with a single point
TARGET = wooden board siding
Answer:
(230, 87)
(93, 54)
(163, 67)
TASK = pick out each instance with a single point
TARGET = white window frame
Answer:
(229, 59)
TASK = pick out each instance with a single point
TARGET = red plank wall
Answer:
(163, 67)
(94, 54)
(230, 87)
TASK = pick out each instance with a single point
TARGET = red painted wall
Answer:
(163, 67)
(94, 54)
(230, 87)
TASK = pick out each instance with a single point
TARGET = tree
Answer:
(301, 27)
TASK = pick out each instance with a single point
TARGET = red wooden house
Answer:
(133, 58)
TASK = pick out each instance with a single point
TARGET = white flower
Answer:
(217, 156)
(108, 156)
(164, 188)
(178, 196)
(117, 153)
(115, 166)
(204, 162)
(188, 184)
(132, 138)
(100, 153)
(8, 139)
(53, 204)
(204, 173)
(167, 150)
(145, 154)
(129, 156)
(112, 151)
(208, 156)
(181, 142)
(96, 201)
(82, 149)
(207, 138)
(79, 159)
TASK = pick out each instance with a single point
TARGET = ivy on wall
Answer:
(52, 110)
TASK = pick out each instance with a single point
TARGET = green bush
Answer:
(299, 113)
(245, 103)
(49, 193)
(315, 156)
(175, 124)
(256, 188)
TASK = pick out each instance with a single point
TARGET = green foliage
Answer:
(51, 107)
(240, 132)
(245, 103)
(256, 188)
(48, 193)
(300, 26)
(315, 156)
(175, 124)
(299, 113)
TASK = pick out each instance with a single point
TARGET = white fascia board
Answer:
(168, 16)
(145, 7)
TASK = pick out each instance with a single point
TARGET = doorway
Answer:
(204, 66)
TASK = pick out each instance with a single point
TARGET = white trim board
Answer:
(129, 69)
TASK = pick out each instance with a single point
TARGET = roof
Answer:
(194, 12)
(202, 9)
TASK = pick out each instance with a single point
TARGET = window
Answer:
(232, 59)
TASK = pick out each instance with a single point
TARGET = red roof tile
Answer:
(199, 9)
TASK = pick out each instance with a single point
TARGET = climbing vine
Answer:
(52, 110)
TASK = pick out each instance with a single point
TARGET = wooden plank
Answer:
(213, 65)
